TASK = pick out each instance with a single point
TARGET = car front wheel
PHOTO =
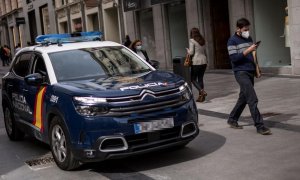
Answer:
(61, 146)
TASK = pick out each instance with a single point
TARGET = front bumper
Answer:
(142, 143)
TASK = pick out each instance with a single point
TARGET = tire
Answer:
(13, 132)
(61, 146)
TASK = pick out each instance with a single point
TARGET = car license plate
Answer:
(153, 125)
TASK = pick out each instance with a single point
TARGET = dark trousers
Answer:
(197, 75)
(5, 61)
(247, 96)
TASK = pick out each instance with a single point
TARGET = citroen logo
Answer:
(147, 95)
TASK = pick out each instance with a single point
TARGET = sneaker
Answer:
(264, 131)
(234, 125)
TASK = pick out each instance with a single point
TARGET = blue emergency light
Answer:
(68, 38)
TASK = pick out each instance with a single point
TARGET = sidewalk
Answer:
(3, 70)
(279, 98)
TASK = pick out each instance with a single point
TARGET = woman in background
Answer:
(137, 47)
(197, 51)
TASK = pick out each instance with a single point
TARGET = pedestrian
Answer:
(199, 61)
(6, 55)
(127, 41)
(2, 56)
(17, 48)
(240, 48)
(137, 47)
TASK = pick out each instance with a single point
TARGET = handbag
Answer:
(188, 60)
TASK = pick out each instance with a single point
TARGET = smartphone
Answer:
(257, 43)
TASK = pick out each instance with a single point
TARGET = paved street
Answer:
(219, 152)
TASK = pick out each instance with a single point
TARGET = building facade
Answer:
(23, 20)
(91, 15)
(11, 22)
(39, 17)
(163, 26)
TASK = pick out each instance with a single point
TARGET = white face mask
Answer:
(139, 47)
(245, 34)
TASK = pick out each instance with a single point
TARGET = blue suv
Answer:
(95, 100)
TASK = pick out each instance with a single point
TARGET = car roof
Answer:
(70, 46)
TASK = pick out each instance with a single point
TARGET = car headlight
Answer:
(89, 100)
(91, 110)
(186, 92)
(90, 106)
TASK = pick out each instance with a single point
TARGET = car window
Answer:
(39, 66)
(94, 62)
(22, 65)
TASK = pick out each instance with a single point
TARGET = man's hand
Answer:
(250, 49)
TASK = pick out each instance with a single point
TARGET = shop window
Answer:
(146, 28)
(271, 30)
(93, 22)
(177, 28)
(77, 25)
(63, 27)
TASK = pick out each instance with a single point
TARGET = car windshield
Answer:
(96, 62)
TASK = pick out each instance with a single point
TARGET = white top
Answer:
(198, 52)
(140, 53)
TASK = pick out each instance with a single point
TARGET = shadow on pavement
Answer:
(272, 120)
(17, 152)
(203, 145)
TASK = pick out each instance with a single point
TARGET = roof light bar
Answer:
(67, 38)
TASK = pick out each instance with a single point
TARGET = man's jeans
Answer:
(247, 96)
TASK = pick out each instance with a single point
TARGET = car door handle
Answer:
(9, 85)
(25, 90)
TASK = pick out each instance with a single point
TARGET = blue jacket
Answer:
(236, 45)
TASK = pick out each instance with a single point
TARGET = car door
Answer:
(34, 95)
(20, 69)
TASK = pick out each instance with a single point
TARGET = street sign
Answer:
(20, 20)
(130, 5)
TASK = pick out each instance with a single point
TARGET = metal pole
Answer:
(100, 16)
(122, 28)
(83, 15)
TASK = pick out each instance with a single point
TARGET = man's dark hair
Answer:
(242, 23)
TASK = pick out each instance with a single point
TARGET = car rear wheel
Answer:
(61, 146)
(12, 130)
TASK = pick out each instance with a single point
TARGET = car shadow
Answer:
(206, 143)
(18, 152)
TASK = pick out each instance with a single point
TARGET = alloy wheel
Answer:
(59, 145)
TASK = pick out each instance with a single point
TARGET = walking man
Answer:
(240, 48)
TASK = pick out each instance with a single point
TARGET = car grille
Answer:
(134, 104)
(140, 97)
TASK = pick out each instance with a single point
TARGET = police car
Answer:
(93, 100)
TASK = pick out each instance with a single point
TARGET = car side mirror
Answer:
(35, 79)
